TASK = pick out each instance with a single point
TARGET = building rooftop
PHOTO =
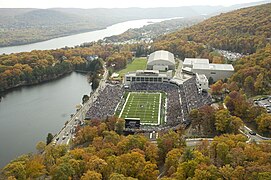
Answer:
(224, 67)
(217, 67)
(201, 66)
(161, 55)
(191, 61)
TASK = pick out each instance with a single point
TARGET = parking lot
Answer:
(264, 102)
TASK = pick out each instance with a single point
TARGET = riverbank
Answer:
(33, 41)
(80, 38)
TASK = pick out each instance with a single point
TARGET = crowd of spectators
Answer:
(180, 100)
(173, 109)
(192, 98)
(106, 102)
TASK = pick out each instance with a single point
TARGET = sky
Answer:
(113, 3)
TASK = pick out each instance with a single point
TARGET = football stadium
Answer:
(146, 106)
(155, 96)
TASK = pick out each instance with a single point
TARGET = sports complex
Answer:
(153, 94)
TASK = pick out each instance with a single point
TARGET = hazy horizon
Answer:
(44, 4)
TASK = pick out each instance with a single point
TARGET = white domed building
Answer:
(161, 60)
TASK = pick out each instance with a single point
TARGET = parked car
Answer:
(252, 133)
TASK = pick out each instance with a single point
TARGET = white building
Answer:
(150, 76)
(189, 62)
(202, 66)
(161, 60)
(202, 82)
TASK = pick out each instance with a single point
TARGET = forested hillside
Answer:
(253, 72)
(246, 31)
(33, 25)
(243, 31)
(154, 30)
(34, 67)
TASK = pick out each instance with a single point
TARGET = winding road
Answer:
(68, 131)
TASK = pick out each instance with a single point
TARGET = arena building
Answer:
(161, 60)
(202, 66)
(152, 76)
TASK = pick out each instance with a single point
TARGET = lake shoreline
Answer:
(28, 113)
(18, 86)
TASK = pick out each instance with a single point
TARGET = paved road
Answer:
(197, 141)
(245, 130)
(67, 132)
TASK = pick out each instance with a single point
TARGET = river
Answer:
(78, 39)
(27, 114)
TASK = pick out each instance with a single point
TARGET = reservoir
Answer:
(28, 114)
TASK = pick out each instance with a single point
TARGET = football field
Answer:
(143, 105)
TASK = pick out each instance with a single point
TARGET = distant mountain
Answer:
(5, 12)
(139, 13)
(32, 25)
(22, 26)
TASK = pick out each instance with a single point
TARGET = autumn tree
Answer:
(86, 135)
(168, 141)
(188, 167)
(172, 161)
(225, 123)
(134, 165)
(203, 119)
(62, 171)
(35, 167)
(40, 146)
(216, 88)
(264, 123)
(52, 154)
(116, 176)
(119, 126)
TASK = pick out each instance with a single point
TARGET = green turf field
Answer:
(145, 106)
(137, 64)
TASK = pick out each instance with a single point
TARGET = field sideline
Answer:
(143, 105)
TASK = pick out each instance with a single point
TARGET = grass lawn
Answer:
(137, 64)
(143, 105)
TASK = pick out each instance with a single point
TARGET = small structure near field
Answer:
(132, 123)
